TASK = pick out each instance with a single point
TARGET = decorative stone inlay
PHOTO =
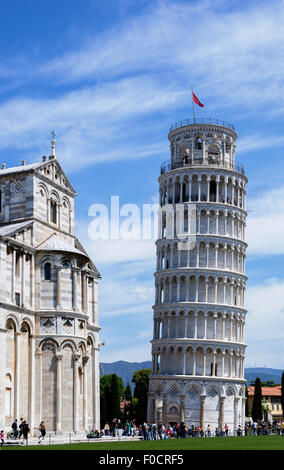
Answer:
(18, 186)
(173, 391)
(159, 390)
(212, 392)
(230, 393)
(48, 325)
(192, 392)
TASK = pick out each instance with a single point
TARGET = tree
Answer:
(282, 393)
(141, 380)
(108, 395)
(257, 405)
(128, 393)
(115, 397)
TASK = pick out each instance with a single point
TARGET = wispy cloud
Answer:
(265, 225)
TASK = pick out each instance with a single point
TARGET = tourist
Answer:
(127, 427)
(119, 428)
(2, 438)
(160, 427)
(154, 431)
(25, 432)
(226, 430)
(254, 428)
(21, 427)
(15, 428)
(106, 429)
(113, 427)
(282, 428)
(42, 432)
(182, 430)
(239, 431)
(91, 434)
(208, 430)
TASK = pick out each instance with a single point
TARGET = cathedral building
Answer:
(198, 345)
(49, 332)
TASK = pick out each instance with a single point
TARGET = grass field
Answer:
(213, 443)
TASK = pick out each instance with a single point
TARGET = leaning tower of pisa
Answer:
(199, 314)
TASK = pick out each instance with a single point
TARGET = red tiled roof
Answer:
(267, 391)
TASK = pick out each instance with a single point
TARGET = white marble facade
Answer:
(49, 332)
(199, 313)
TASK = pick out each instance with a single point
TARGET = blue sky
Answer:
(110, 78)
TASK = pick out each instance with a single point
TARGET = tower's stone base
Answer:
(197, 402)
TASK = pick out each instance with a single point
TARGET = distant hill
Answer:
(126, 369)
(264, 373)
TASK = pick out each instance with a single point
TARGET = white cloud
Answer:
(265, 324)
(265, 225)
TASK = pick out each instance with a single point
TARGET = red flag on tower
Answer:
(196, 100)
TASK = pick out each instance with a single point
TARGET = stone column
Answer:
(217, 190)
(205, 326)
(31, 281)
(203, 151)
(236, 411)
(182, 399)
(184, 364)
(202, 411)
(194, 363)
(32, 384)
(223, 327)
(23, 280)
(223, 363)
(204, 363)
(165, 398)
(195, 325)
(83, 290)
(215, 291)
(243, 411)
(58, 393)
(75, 392)
(231, 365)
(186, 326)
(85, 393)
(13, 276)
(151, 398)
(214, 364)
(17, 376)
(221, 413)
(208, 189)
(215, 326)
(74, 288)
(197, 289)
(58, 288)
(96, 387)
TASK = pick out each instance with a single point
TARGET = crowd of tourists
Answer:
(22, 431)
(155, 431)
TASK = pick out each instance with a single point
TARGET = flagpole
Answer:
(192, 105)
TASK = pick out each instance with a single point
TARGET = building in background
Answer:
(198, 345)
(271, 400)
(49, 333)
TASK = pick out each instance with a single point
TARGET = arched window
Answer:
(53, 212)
(173, 411)
(47, 271)
(198, 143)
(8, 395)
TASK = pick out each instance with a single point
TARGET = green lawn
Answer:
(213, 443)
